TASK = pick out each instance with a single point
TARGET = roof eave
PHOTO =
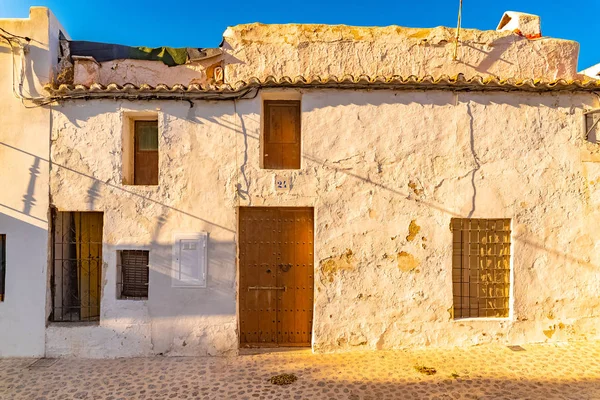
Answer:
(348, 82)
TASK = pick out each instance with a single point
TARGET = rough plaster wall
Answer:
(324, 50)
(139, 72)
(385, 172)
(377, 165)
(259, 50)
(24, 150)
(86, 175)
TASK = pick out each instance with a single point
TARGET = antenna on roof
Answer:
(457, 31)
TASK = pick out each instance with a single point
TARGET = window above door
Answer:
(140, 148)
(281, 134)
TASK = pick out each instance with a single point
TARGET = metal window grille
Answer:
(2, 266)
(132, 275)
(77, 266)
(481, 267)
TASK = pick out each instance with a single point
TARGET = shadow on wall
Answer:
(424, 98)
(94, 189)
(436, 98)
(33, 72)
(22, 312)
(29, 198)
(490, 57)
(164, 300)
(190, 321)
(534, 100)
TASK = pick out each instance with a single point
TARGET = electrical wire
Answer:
(28, 39)
(22, 49)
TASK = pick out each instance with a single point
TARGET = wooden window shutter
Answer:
(134, 273)
(282, 134)
(146, 153)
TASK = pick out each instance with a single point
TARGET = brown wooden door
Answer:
(276, 276)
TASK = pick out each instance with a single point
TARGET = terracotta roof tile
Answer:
(394, 82)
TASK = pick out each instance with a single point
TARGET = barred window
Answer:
(481, 267)
(77, 265)
(132, 273)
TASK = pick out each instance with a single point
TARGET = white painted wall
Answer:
(24, 152)
(592, 72)
(173, 321)
(514, 155)
(360, 152)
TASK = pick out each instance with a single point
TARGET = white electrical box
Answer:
(189, 259)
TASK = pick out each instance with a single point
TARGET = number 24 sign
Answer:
(281, 183)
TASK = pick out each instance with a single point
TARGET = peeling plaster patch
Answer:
(550, 331)
(413, 230)
(331, 265)
(354, 339)
(415, 188)
(407, 262)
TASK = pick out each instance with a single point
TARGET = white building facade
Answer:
(335, 187)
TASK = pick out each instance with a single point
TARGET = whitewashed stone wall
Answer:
(24, 152)
(372, 163)
(324, 50)
(259, 50)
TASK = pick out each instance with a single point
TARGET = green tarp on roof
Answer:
(170, 56)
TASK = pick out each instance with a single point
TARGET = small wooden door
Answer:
(276, 276)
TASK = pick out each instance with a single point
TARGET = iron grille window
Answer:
(481, 267)
(132, 274)
(2, 266)
(77, 266)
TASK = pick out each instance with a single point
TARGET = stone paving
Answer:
(568, 371)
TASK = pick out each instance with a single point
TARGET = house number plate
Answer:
(282, 183)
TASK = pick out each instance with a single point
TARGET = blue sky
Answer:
(194, 23)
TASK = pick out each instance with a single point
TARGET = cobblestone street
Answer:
(569, 371)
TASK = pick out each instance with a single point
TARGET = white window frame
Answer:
(202, 238)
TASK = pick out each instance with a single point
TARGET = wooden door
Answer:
(276, 276)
